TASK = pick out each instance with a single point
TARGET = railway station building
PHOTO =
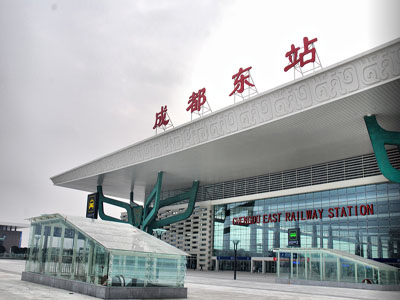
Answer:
(298, 160)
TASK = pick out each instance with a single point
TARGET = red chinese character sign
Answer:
(297, 60)
(244, 86)
(198, 103)
(161, 119)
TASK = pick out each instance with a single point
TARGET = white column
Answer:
(60, 255)
(355, 272)
(306, 264)
(73, 265)
(321, 267)
(291, 264)
(49, 250)
(263, 266)
(40, 260)
(278, 267)
(90, 262)
(96, 269)
(31, 247)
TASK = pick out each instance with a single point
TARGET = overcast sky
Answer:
(80, 79)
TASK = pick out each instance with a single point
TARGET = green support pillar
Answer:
(379, 138)
(191, 195)
(150, 215)
(103, 199)
(145, 217)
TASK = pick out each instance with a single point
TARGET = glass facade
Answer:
(362, 220)
(331, 265)
(59, 249)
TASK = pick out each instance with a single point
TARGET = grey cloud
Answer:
(79, 79)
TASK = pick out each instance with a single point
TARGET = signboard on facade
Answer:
(309, 214)
(233, 258)
(92, 206)
(287, 255)
(294, 237)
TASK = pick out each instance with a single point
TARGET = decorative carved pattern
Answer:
(369, 69)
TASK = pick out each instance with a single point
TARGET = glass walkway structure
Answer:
(318, 264)
(102, 253)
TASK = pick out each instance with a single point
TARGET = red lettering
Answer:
(363, 210)
(293, 216)
(320, 211)
(279, 217)
(343, 213)
(330, 213)
(234, 221)
(349, 207)
(337, 212)
(356, 211)
(270, 218)
(302, 216)
(370, 211)
(287, 216)
(275, 216)
(265, 220)
(298, 216)
(314, 215)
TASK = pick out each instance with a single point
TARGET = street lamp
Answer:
(235, 243)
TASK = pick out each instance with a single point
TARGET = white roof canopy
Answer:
(315, 119)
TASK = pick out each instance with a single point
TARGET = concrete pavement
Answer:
(201, 285)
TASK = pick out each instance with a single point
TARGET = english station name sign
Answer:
(309, 214)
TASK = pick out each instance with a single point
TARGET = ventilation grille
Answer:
(346, 169)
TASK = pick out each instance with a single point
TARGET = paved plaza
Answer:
(201, 285)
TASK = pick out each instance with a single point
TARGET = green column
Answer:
(379, 138)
